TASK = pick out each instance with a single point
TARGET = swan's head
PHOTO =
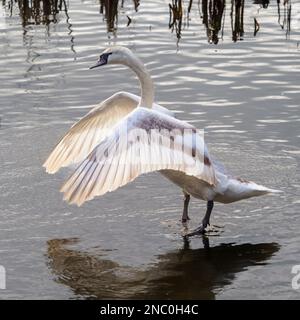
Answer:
(114, 55)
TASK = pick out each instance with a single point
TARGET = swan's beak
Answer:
(100, 62)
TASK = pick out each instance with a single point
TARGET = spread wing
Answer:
(144, 141)
(87, 133)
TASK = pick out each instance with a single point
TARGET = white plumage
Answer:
(126, 136)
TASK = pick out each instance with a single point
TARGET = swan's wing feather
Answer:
(84, 135)
(219, 166)
(142, 142)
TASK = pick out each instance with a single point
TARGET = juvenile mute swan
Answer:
(126, 136)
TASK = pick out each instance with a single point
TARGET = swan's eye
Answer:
(104, 57)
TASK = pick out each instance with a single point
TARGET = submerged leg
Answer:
(205, 221)
(185, 215)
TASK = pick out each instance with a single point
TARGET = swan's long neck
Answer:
(147, 89)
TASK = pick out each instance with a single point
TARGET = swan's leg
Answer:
(205, 221)
(185, 215)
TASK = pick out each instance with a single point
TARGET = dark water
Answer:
(230, 67)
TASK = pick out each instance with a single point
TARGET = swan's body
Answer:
(107, 161)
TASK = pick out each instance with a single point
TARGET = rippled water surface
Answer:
(232, 70)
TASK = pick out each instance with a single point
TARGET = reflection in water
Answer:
(175, 14)
(179, 274)
(284, 8)
(263, 3)
(212, 14)
(109, 8)
(38, 11)
(237, 19)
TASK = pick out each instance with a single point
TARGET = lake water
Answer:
(231, 68)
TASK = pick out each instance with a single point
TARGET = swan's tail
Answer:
(251, 189)
(262, 189)
(238, 189)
